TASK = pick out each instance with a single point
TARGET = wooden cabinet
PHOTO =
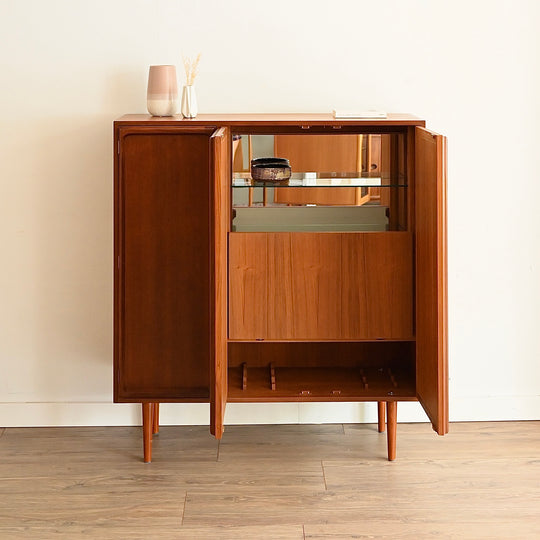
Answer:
(287, 300)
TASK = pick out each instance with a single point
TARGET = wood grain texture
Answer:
(148, 424)
(481, 481)
(321, 371)
(280, 279)
(248, 290)
(374, 353)
(298, 443)
(320, 286)
(401, 529)
(282, 119)
(316, 262)
(155, 419)
(381, 416)
(389, 284)
(221, 165)
(284, 281)
(274, 532)
(162, 308)
(391, 428)
(490, 439)
(410, 171)
(431, 277)
(324, 153)
(303, 292)
(376, 286)
(320, 384)
(318, 153)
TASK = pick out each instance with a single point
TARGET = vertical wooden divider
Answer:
(220, 145)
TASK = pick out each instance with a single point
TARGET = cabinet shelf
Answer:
(321, 371)
(319, 384)
(329, 340)
(282, 218)
(322, 180)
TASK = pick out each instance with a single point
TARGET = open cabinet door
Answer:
(431, 277)
(163, 268)
(221, 165)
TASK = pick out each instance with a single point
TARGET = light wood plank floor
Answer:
(277, 482)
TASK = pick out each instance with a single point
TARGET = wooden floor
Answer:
(302, 481)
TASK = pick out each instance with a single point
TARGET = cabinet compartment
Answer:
(310, 219)
(317, 371)
(302, 286)
(364, 174)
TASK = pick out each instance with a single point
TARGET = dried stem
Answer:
(191, 68)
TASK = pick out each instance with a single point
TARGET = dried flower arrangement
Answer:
(191, 67)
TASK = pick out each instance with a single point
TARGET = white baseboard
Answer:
(464, 409)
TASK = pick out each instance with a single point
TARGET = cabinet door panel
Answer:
(220, 143)
(431, 281)
(316, 287)
(321, 286)
(163, 245)
(284, 286)
(389, 290)
(303, 286)
(377, 285)
(247, 286)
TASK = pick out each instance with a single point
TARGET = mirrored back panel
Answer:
(350, 182)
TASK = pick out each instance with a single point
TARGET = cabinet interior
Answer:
(291, 286)
(321, 371)
(339, 182)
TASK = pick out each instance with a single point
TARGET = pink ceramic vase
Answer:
(162, 97)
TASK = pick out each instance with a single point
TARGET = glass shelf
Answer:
(321, 180)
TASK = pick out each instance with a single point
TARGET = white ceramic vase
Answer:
(162, 96)
(189, 102)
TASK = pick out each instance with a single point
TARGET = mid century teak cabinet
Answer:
(328, 287)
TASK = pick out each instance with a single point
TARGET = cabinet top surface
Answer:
(288, 119)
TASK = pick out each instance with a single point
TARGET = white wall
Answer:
(68, 68)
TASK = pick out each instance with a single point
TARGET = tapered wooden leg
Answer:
(381, 409)
(147, 431)
(155, 418)
(391, 414)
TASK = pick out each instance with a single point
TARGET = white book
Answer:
(338, 113)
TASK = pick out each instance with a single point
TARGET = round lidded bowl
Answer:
(270, 169)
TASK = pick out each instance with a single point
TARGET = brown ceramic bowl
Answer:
(270, 169)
